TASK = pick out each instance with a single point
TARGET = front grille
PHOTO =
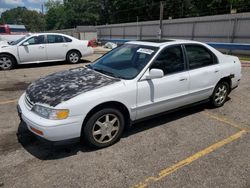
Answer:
(28, 103)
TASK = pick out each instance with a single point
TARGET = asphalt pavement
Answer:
(194, 147)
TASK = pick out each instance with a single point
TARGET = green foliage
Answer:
(56, 15)
(82, 11)
(32, 20)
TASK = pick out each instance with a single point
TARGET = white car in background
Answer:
(134, 81)
(43, 47)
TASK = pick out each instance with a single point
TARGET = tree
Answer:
(56, 16)
(82, 12)
(32, 20)
(72, 13)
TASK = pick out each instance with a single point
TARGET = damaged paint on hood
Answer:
(62, 86)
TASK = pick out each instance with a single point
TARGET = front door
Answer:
(34, 51)
(166, 93)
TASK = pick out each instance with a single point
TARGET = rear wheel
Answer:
(73, 57)
(220, 94)
(7, 62)
(103, 128)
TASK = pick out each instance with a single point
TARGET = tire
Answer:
(73, 57)
(7, 62)
(220, 94)
(100, 132)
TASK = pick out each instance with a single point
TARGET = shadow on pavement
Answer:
(47, 64)
(50, 151)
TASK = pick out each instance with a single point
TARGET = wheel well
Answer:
(6, 53)
(228, 80)
(112, 104)
(72, 51)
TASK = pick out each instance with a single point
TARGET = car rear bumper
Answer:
(52, 130)
(88, 51)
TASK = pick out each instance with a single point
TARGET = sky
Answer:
(29, 4)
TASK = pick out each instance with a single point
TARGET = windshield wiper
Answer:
(102, 71)
(105, 72)
(89, 66)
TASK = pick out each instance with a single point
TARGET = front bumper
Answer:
(52, 130)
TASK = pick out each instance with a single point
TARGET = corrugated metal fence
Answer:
(80, 32)
(230, 28)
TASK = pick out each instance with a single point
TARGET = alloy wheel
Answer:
(5, 63)
(106, 128)
(220, 95)
(74, 57)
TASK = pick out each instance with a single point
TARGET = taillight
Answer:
(89, 44)
(7, 29)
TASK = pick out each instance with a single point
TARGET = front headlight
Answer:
(49, 113)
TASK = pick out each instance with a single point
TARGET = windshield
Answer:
(126, 61)
(19, 40)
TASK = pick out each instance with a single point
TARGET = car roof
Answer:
(161, 42)
(34, 34)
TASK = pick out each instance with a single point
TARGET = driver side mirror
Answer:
(155, 73)
(25, 44)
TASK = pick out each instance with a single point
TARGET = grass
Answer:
(244, 57)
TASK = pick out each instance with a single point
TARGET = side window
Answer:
(55, 39)
(36, 40)
(170, 60)
(67, 39)
(198, 56)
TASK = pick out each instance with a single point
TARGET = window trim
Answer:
(215, 58)
(183, 55)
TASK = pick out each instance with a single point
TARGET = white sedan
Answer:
(132, 82)
(43, 47)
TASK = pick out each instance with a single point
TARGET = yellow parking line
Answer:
(224, 120)
(8, 101)
(167, 171)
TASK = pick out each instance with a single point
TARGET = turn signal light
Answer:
(36, 130)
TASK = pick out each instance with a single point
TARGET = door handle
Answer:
(65, 45)
(41, 46)
(216, 71)
(182, 79)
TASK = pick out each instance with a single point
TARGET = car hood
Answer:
(4, 44)
(62, 86)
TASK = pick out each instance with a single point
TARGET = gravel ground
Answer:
(149, 148)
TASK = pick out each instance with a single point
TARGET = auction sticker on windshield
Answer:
(145, 51)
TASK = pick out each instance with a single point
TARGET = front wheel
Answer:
(104, 128)
(73, 57)
(220, 94)
(6, 62)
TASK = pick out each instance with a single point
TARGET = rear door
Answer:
(204, 71)
(57, 47)
(35, 51)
